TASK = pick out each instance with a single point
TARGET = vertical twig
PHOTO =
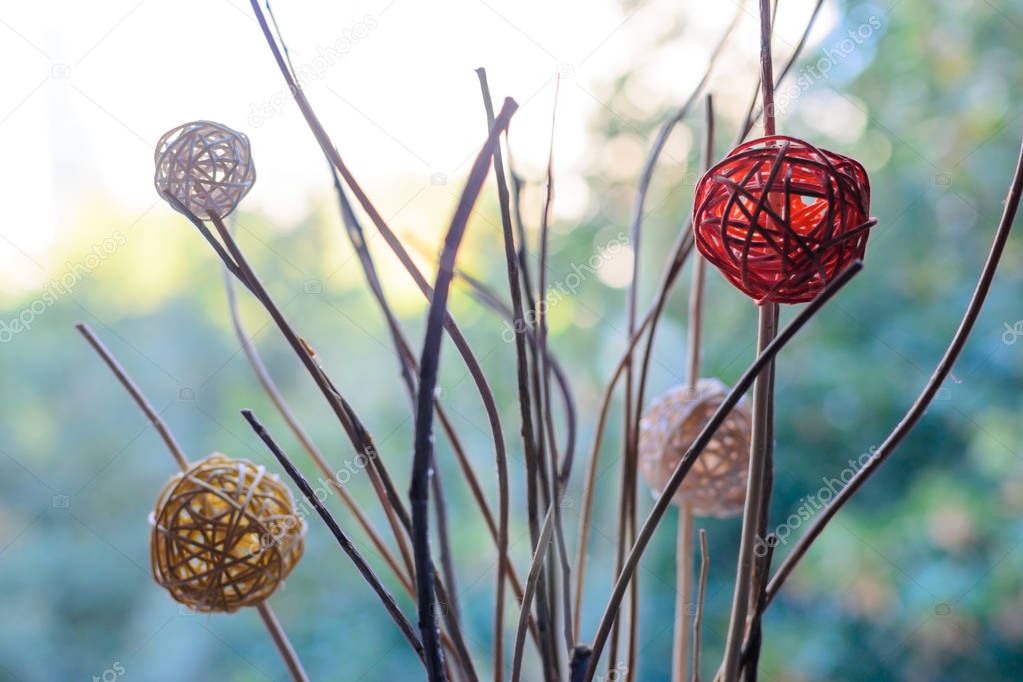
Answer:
(429, 365)
(761, 438)
(532, 578)
(684, 546)
(701, 595)
(558, 473)
(518, 329)
(273, 626)
(683, 592)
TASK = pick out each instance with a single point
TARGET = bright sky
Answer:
(90, 86)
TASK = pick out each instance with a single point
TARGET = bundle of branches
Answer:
(785, 222)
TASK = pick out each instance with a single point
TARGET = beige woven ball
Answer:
(206, 166)
(225, 534)
(716, 485)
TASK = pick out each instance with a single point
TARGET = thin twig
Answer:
(683, 592)
(688, 459)
(559, 472)
(761, 435)
(360, 438)
(749, 662)
(342, 540)
(136, 394)
(518, 327)
(273, 625)
(409, 374)
(281, 642)
(753, 112)
(429, 365)
(684, 546)
(535, 567)
(701, 595)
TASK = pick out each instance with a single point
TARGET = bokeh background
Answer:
(919, 579)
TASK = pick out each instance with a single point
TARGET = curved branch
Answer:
(930, 390)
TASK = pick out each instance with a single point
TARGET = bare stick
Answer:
(927, 395)
(522, 372)
(684, 546)
(346, 546)
(429, 364)
(136, 394)
(287, 651)
(535, 566)
(270, 387)
(752, 112)
(273, 626)
(701, 594)
(358, 435)
(683, 592)
(558, 473)
(761, 437)
(686, 462)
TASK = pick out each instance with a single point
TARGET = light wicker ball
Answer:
(206, 166)
(716, 485)
(225, 535)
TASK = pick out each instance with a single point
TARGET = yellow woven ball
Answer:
(716, 485)
(225, 534)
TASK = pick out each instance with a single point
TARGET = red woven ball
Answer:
(780, 217)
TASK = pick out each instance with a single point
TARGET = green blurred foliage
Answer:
(919, 579)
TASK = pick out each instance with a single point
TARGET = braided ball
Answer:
(225, 535)
(780, 217)
(206, 166)
(716, 485)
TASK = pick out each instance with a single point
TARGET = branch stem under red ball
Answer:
(761, 467)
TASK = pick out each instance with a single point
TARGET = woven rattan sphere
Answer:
(206, 166)
(779, 217)
(716, 485)
(225, 535)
